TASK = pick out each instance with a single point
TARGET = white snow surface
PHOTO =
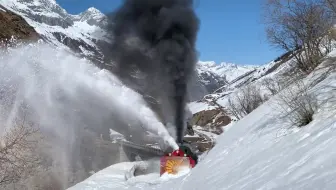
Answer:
(263, 151)
(90, 13)
(119, 176)
(48, 5)
(113, 177)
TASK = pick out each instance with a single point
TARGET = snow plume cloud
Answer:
(153, 52)
(74, 104)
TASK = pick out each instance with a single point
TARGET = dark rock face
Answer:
(75, 45)
(202, 124)
(60, 27)
(211, 81)
(211, 120)
(13, 25)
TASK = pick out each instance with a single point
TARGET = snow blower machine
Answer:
(178, 160)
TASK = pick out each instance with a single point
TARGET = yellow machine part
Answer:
(172, 165)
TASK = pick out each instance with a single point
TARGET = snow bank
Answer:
(111, 177)
(120, 176)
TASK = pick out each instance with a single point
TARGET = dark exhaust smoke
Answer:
(154, 53)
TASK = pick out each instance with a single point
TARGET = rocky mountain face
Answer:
(210, 80)
(211, 120)
(227, 71)
(82, 34)
(13, 25)
(213, 76)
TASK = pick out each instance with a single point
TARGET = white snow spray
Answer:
(68, 97)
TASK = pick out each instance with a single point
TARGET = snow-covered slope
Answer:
(274, 70)
(261, 151)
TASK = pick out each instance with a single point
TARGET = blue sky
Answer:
(230, 31)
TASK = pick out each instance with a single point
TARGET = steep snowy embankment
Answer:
(262, 151)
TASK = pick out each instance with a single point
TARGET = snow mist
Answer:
(68, 97)
(155, 40)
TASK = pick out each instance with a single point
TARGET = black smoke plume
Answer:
(154, 53)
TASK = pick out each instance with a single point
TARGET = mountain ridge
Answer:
(85, 35)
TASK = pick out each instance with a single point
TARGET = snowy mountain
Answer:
(92, 16)
(209, 79)
(228, 71)
(79, 33)
(246, 76)
(84, 34)
(214, 76)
